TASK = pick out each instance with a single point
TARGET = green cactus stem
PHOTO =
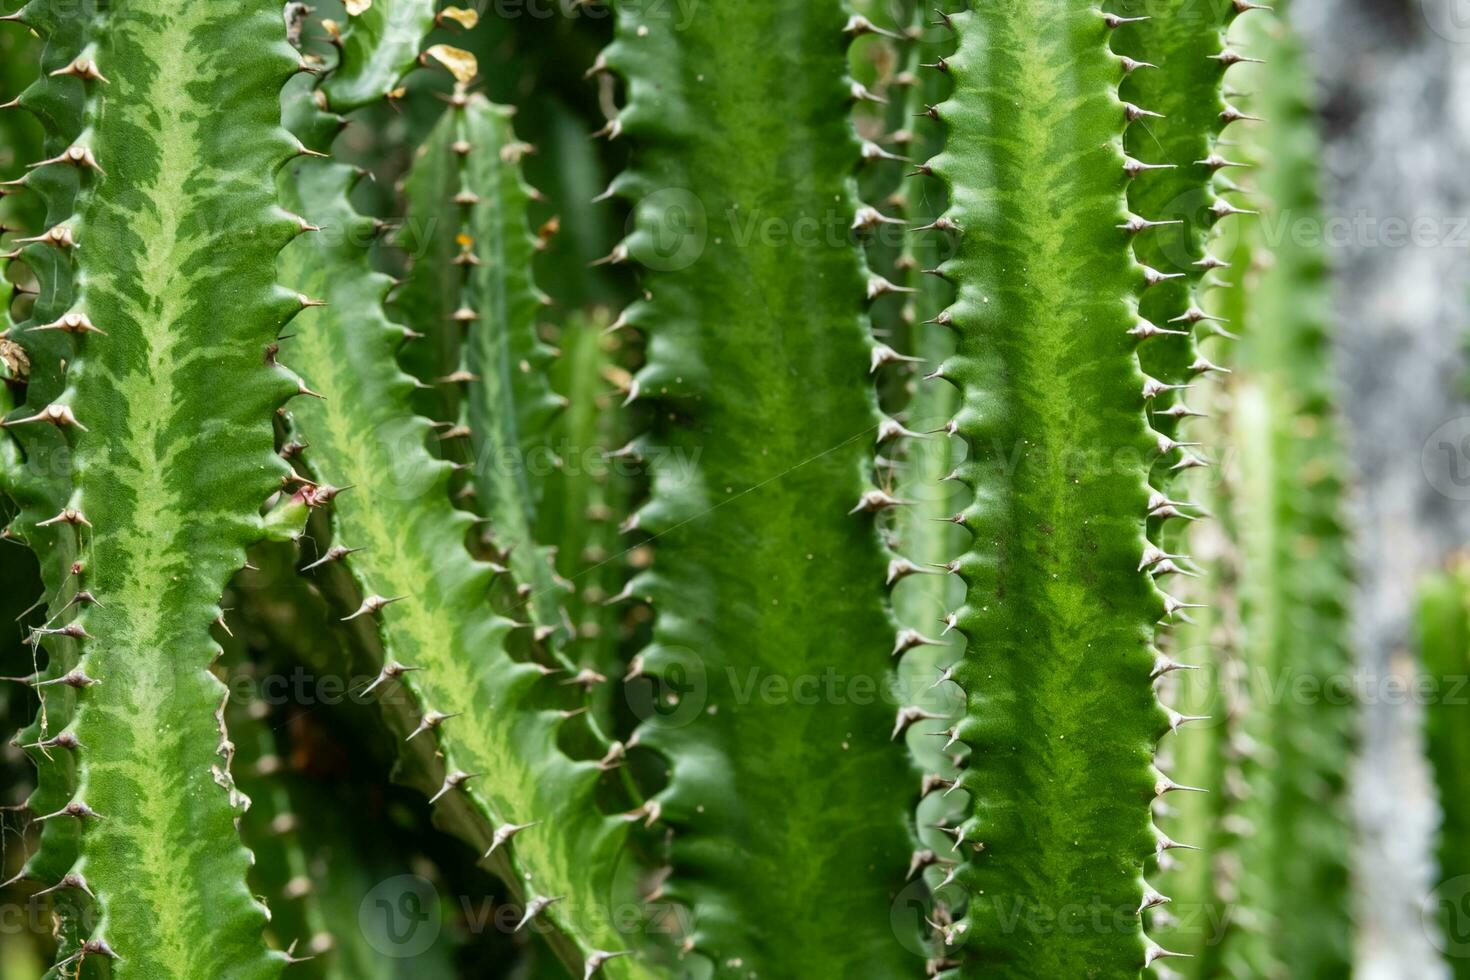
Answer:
(142, 486)
(1061, 718)
(481, 727)
(482, 204)
(1442, 636)
(770, 657)
(1295, 571)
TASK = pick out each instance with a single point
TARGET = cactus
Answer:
(1442, 637)
(855, 661)
(141, 488)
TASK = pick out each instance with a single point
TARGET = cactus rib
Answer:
(142, 487)
(1061, 720)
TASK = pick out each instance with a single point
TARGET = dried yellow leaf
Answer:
(356, 7)
(464, 18)
(461, 64)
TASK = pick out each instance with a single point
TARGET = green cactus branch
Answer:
(142, 487)
(757, 351)
(1061, 718)
(1442, 636)
(496, 720)
(1295, 565)
(508, 403)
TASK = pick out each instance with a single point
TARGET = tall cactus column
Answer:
(1058, 736)
(143, 485)
(787, 800)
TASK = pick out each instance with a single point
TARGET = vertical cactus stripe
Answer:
(771, 633)
(1060, 612)
(161, 214)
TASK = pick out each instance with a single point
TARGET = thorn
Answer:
(872, 151)
(1216, 162)
(1132, 112)
(72, 323)
(868, 218)
(534, 908)
(649, 813)
(68, 881)
(57, 414)
(371, 605)
(1176, 719)
(1164, 665)
(67, 516)
(1232, 114)
(76, 678)
(1146, 330)
(907, 716)
(431, 719)
(1130, 66)
(1152, 276)
(1229, 57)
(1166, 785)
(1114, 21)
(860, 93)
(587, 678)
(858, 25)
(1156, 952)
(611, 131)
(1133, 167)
(451, 782)
(874, 501)
(1224, 209)
(1203, 366)
(334, 553)
(597, 958)
(77, 809)
(1152, 899)
(505, 832)
(878, 286)
(883, 354)
(83, 68)
(1135, 224)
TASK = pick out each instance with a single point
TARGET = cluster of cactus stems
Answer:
(940, 459)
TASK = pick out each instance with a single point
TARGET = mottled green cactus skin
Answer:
(757, 351)
(1442, 637)
(1295, 563)
(1058, 824)
(176, 221)
(380, 46)
(502, 719)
